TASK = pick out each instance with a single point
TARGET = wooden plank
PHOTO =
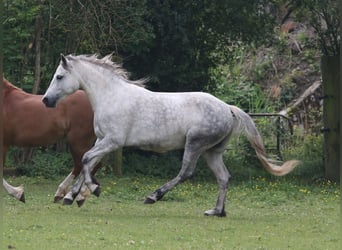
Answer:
(294, 104)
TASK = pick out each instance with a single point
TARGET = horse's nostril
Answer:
(45, 101)
(49, 103)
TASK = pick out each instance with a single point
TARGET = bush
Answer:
(47, 163)
(166, 165)
(239, 158)
(309, 150)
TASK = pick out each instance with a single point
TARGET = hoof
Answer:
(67, 201)
(97, 191)
(214, 212)
(80, 203)
(57, 199)
(73, 195)
(149, 201)
(222, 214)
(22, 198)
(94, 180)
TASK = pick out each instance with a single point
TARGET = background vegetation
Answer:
(258, 55)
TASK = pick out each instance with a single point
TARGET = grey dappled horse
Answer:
(126, 114)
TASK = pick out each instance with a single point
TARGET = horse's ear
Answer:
(64, 61)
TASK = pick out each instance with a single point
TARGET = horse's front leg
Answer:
(84, 192)
(79, 191)
(90, 160)
(82, 196)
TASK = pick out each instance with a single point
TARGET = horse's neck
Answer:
(101, 90)
(9, 87)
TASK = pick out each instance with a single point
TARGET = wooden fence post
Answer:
(117, 164)
(330, 66)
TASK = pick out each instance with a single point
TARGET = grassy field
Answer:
(261, 214)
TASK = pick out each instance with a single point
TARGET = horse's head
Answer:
(63, 83)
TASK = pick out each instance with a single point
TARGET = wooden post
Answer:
(117, 166)
(330, 66)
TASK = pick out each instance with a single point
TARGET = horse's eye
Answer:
(59, 77)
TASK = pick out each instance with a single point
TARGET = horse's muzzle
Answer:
(49, 102)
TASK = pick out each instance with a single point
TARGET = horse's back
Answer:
(27, 122)
(162, 121)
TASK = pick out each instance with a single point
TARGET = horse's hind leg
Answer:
(188, 167)
(215, 162)
(191, 154)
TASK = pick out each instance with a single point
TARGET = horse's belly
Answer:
(161, 144)
(161, 148)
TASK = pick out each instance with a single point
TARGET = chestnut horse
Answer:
(28, 123)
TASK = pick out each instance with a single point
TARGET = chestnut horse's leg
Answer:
(17, 192)
(63, 187)
(76, 153)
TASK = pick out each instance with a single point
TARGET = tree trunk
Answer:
(330, 66)
(1, 100)
(37, 69)
(27, 152)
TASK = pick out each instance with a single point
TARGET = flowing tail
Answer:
(245, 122)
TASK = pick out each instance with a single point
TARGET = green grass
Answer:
(261, 214)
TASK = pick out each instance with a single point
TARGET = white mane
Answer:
(107, 62)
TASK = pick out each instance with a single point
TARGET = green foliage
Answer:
(166, 165)
(151, 164)
(190, 41)
(288, 90)
(324, 17)
(244, 94)
(18, 30)
(309, 150)
(176, 43)
(47, 163)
